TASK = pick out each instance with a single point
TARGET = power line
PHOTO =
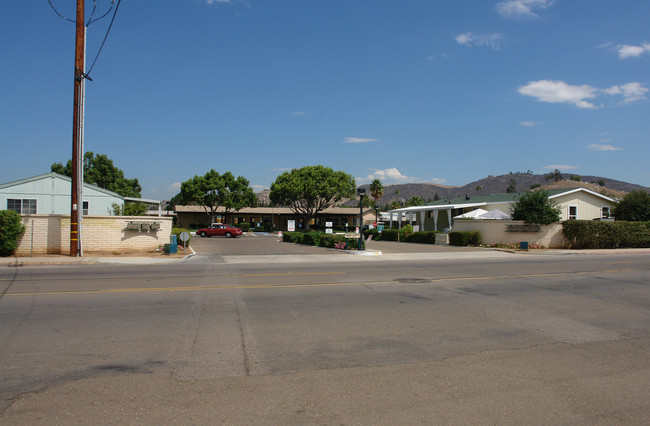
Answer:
(105, 36)
(57, 12)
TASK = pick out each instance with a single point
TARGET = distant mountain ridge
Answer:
(489, 185)
(499, 185)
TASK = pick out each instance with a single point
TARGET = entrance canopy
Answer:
(420, 211)
(495, 214)
(473, 214)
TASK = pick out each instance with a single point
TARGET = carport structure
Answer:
(432, 212)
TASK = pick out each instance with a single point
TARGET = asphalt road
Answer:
(509, 340)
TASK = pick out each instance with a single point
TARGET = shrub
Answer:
(389, 234)
(465, 238)
(586, 234)
(11, 229)
(329, 241)
(177, 231)
(374, 232)
(405, 231)
(535, 207)
(635, 206)
(245, 227)
(425, 237)
(292, 237)
(311, 238)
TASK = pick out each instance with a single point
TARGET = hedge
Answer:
(464, 238)
(587, 234)
(389, 234)
(425, 237)
(245, 227)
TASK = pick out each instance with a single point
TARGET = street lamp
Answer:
(360, 192)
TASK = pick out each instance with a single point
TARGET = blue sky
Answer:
(445, 91)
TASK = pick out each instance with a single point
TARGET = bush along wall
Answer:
(464, 238)
(423, 237)
(321, 239)
(11, 229)
(587, 234)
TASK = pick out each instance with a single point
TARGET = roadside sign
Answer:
(184, 236)
(291, 225)
(352, 235)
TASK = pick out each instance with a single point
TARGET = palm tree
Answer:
(377, 190)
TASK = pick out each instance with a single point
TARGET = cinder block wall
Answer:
(50, 234)
(494, 232)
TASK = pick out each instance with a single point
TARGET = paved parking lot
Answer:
(271, 244)
(253, 244)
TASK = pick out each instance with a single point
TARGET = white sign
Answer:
(328, 224)
(184, 236)
(291, 225)
(328, 230)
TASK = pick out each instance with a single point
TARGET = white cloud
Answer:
(631, 92)
(297, 113)
(217, 1)
(470, 39)
(603, 147)
(439, 181)
(390, 176)
(628, 51)
(560, 167)
(529, 123)
(522, 9)
(359, 140)
(561, 92)
(175, 186)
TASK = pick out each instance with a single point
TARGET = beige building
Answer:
(575, 203)
(272, 217)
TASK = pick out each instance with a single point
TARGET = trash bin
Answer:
(523, 245)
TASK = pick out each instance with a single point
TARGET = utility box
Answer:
(523, 245)
(173, 245)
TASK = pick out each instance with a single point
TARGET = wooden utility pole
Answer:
(77, 133)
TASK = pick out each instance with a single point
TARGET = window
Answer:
(25, 206)
(84, 208)
(14, 205)
(604, 212)
(573, 212)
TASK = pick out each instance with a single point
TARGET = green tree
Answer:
(536, 207)
(376, 189)
(212, 191)
(129, 209)
(634, 207)
(512, 187)
(367, 201)
(311, 189)
(415, 200)
(100, 170)
(394, 205)
(11, 229)
(238, 193)
(555, 175)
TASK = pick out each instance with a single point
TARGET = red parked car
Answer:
(219, 230)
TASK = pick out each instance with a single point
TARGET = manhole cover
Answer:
(411, 280)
